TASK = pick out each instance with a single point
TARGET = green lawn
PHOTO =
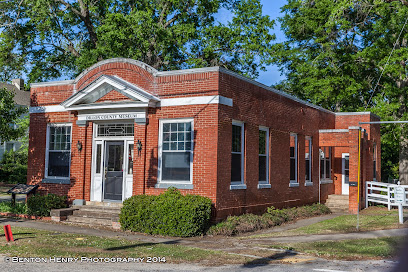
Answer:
(370, 219)
(385, 247)
(32, 242)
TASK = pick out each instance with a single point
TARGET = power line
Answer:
(389, 57)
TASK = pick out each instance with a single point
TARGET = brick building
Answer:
(122, 128)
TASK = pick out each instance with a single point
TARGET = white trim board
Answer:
(169, 102)
(195, 100)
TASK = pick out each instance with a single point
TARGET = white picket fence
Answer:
(380, 192)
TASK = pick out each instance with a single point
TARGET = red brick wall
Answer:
(252, 104)
(256, 106)
(113, 96)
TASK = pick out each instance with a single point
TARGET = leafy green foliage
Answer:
(170, 213)
(18, 208)
(13, 166)
(61, 38)
(335, 53)
(41, 205)
(9, 114)
(273, 217)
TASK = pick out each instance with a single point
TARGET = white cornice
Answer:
(359, 113)
(52, 83)
(333, 130)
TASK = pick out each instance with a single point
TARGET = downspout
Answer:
(84, 162)
(358, 178)
(318, 154)
(145, 158)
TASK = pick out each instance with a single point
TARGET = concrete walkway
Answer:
(256, 248)
(208, 241)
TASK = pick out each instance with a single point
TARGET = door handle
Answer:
(106, 171)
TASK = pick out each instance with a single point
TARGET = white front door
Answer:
(112, 162)
(345, 174)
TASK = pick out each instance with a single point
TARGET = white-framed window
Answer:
(58, 151)
(10, 146)
(308, 160)
(374, 161)
(263, 158)
(293, 159)
(237, 156)
(325, 164)
(175, 152)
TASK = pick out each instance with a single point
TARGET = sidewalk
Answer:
(249, 247)
(208, 241)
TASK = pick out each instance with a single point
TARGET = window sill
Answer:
(264, 186)
(293, 184)
(308, 183)
(326, 181)
(56, 180)
(166, 185)
(238, 186)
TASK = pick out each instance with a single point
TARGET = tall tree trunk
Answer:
(403, 152)
(403, 159)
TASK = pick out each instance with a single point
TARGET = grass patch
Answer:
(32, 242)
(273, 217)
(18, 208)
(385, 247)
(374, 219)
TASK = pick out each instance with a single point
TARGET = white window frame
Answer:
(295, 182)
(182, 184)
(262, 184)
(47, 153)
(239, 184)
(310, 181)
(325, 180)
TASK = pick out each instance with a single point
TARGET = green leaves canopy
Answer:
(11, 114)
(59, 38)
(335, 53)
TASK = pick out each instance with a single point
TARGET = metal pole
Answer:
(358, 180)
(383, 122)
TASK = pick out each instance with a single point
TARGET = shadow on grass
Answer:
(173, 242)
(266, 260)
(16, 236)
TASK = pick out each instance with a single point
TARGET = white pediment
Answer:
(86, 98)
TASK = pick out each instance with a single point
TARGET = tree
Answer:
(60, 38)
(10, 114)
(336, 52)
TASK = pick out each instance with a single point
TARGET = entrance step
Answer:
(338, 203)
(96, 215)
(104, 204)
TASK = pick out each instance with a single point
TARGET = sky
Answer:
(272, 8)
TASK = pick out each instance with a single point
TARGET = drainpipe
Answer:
(145, 158)
(319, 174)
(84, 161)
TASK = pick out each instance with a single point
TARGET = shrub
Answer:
(41, 205)
(273, 217)
(18, 208)
(13, 167)
(170, 213)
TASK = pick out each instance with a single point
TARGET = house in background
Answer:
(122, 128)
(22, 99)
